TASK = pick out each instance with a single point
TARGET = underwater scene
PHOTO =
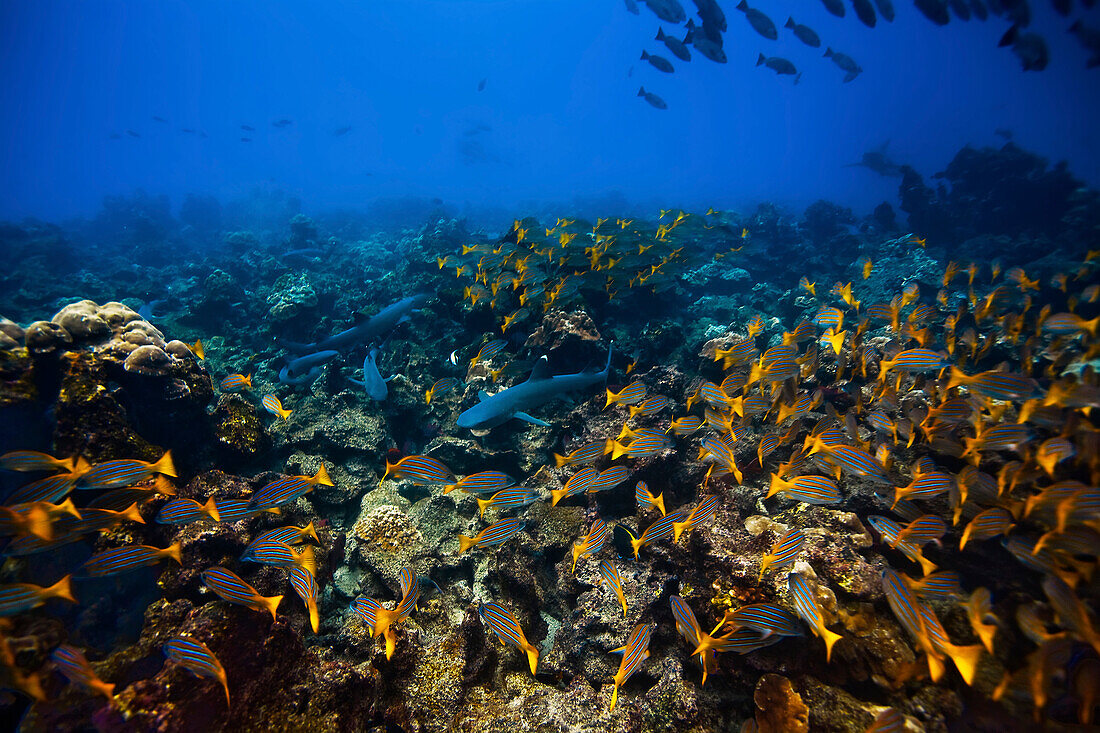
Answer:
(559, 365)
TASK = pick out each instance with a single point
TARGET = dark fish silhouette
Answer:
(845, 62)
(705, 44)
(658, 62)
(865, 12)
(284, 122)
(159, 119)
(1030, 48)
(761, 23)
(481, 85)
(836, 7)
(934, 10)
(675, 45)
(778, 64)
(804, 33)
(711, 14)
(960, 8)
(652, 98)
(341, 131)
(977, 7)
(877, 161)
(1090, 39)
(632, 6)
(188, 130)
(246, 139)
(885, 9)
(131, 133)
(248, 128)
(669, 11)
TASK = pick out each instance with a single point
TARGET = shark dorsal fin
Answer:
(541, 370)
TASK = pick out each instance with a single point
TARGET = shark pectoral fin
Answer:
(482, 395)
(356, 381)
(389, 378)
(533, 420)
(567, 398)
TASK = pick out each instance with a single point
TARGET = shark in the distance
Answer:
(877, 161)
(540, 387)
(378, 325)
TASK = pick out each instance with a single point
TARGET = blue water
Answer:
(558, 118)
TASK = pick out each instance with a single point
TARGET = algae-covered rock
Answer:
(291, 296)
(238, 433)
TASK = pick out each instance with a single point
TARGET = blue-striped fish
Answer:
(183, 511)
(805, 603)
(32, 460)
(578, 483)
(829, 317)
(650, 406)
(279, 554)
(305, 586)
(888, 721)
(925, 486)
(631, 394)
(72, 663)
(28, 519)
(803, 331)
(230, 587)
(808, 489)
(492, 536)
(234, 510)
(272, 404)
(644, 443)
(289, 488)
(422, 470)
(125, 472)
(882, 423)
(889, 529)
(645, 498)
(702, 512)
(922, 530)
(996, 384)
(1053, 451)
(784, 551)
(965, 658)
(236, 382)
(742, 641)
(489, 350)
(440, 388)
(196, 657)
(511, 498)
(766, 618)
(713, 395)
(290, 535)
(508, 630)
(906, 609)
(610, 574)
(51, 488)
(659, 530)
(635, 651)
(587, 453)
(913, 360)
(367, 610)
(938, 586)
(688, 627)
(767, 445)
(609, 479)
(16, 598)
(591, 543)
(740, 352)
(775, 365)
(979, 610)
(686, 425)
(852, 460)
(484, 482)
(130, 557)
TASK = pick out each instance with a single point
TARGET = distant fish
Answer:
(1090, 39)
(304, 584)
(341, 131)
(934, 10)
(674, 45)
(705, 44)
(1030, 48)
(845, 62)
(635, 651)
(481, 84)
(778, 64)
(196, 657)
(157, 118)
(610, 574)
(248, 128)
(805, 602)
(441, 388)
(865, 12)
(760, 22)
(283, 122)
(508, 631)
(886, 9)
(131, 133)
(836, 7)
(669, 11)
(423, 470)
(652, 98)
(658, 62)
(804, 33)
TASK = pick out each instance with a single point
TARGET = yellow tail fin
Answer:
(61, 589)
(131, 512)
(465, 543)
(532, 657)
(321, 477)
(560, 460)
(310, 531)
(557, 495)
(308, 560)
(966, 659)
(38, 523)
(173, 551)
(211, 509)
(271, 603)
(829, 638)
(163, 486)
(164, 465)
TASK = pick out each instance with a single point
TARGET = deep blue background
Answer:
(558, 117)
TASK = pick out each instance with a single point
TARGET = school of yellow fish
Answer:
(965, 414)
